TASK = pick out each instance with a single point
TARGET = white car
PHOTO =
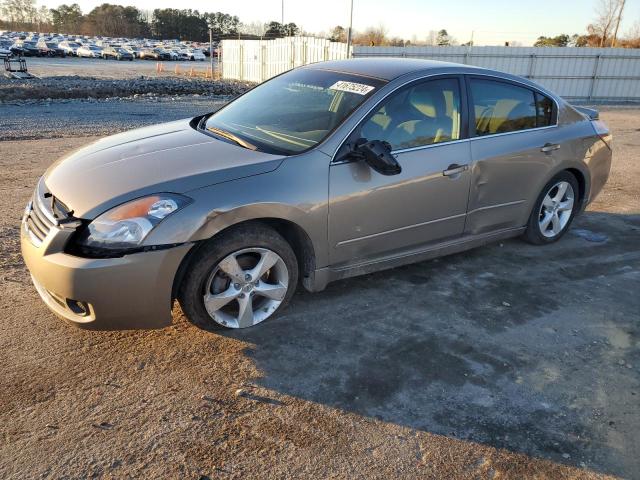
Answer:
(70, 48)
(90, 51)
(196, 54)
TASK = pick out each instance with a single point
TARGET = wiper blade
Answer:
(232, 137)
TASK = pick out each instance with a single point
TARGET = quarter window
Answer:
(544, 111)
(421, 115)
(501, 107)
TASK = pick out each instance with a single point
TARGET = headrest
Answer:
(428, 101)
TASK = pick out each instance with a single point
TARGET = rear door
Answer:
(514, 146)
(371, 214)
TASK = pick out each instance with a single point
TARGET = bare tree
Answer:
(372, 36)
(632, 38)
(431, 39)
(254, 28)
(608, 17)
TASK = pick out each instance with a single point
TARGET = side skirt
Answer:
(323, 276)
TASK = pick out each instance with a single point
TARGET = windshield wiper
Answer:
(232, 137)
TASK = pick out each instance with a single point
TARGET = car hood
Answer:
(170, 157)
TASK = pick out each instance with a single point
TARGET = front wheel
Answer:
(554, 210)
(239, 278)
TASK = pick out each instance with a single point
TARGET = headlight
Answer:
(127, 225)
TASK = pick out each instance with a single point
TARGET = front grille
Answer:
(38, 222)
(43, 213)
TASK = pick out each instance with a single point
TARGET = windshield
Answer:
(295, 111)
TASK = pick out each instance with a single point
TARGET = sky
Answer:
(492, 21)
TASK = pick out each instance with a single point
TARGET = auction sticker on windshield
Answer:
(352, 87)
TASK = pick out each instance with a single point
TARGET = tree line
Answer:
(603, 32)
(119, 21)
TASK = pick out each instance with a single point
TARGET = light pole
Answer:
(211, 50)
(349, 31)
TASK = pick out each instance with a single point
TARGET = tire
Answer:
(204, 274)
(540, 230)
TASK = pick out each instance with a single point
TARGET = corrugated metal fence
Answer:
(594, 74)
(258, 60)
(586, 74)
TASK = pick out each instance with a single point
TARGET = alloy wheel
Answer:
(246, 287)
(556, 209)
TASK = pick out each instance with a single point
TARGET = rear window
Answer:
(501, 107)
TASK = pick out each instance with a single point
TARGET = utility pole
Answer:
(211, 50)
(349, 31)
(619, 19)
(282, 14)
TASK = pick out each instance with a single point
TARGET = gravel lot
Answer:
(508, 361)
(82, 118)
(96, 67)
(82, 78)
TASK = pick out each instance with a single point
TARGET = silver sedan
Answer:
(325, 172)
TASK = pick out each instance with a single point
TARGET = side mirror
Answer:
(378, 156)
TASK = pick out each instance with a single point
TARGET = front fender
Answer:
(294, 193)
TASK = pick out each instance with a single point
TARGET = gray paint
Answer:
(356, 220)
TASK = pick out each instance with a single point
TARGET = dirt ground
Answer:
(96, 67)
(508, 361)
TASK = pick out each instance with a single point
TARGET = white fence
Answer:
(258, 60)
(578, 74)
(592, 74)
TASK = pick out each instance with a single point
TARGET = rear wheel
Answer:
(239, 278)
(554, 210)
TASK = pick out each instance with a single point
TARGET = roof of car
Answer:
(386, 68)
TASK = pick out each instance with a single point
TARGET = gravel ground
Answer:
(95, 67)
(508, 361)
(64, 87)
(74, 118)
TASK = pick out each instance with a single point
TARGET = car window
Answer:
(294, 111)
(424, 114)
(501, 107)
(544, 111)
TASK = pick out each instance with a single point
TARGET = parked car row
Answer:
(57, 45)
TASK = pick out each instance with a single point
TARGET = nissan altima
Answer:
(327, 171)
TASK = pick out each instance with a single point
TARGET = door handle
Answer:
(454, 169)
(550, 147)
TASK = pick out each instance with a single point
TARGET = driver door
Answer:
(372, 215)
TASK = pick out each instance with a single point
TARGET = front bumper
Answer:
(130, 292)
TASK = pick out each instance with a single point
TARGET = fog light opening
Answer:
(79, 308)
